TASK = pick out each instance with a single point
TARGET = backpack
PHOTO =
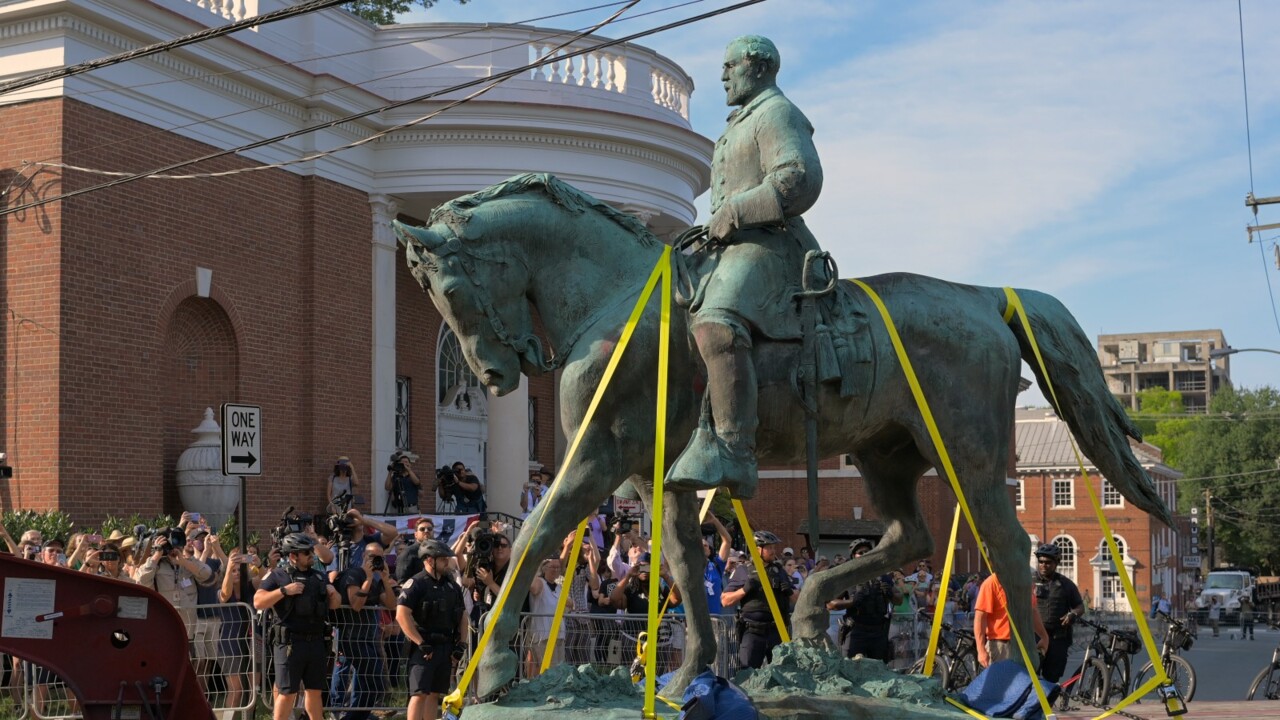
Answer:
(713, 698)
(1004, 690)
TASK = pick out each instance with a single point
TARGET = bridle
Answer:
(527, 346)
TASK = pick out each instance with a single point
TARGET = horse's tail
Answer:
(1096, 419)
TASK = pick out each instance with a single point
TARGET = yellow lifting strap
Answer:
(1160, 677)
(947, 467)
(453, 702)
(760, 571)
(941, 603)
(659, 471)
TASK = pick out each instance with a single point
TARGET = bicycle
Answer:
(1104, 671)
(1268, 681)
(955, 663)
(1177, 638)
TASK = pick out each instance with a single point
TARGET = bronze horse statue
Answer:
(490, 259)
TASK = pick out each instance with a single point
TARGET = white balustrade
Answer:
(599, 69)
(669, 92)
(229, 9)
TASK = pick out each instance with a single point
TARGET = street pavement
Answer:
(1225, 666)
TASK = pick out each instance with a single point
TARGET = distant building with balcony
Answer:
(1133, 362)
(132, 309)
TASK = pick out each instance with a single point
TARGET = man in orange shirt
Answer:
(991, 628)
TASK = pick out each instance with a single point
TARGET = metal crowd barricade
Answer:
(609, 641)
(367, 663)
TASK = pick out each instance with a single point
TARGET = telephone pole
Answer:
(1208, 517)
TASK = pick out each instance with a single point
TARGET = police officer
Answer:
(300, 598)
(757, 632)
(868, 612)
(1059, 604)
(430, 612)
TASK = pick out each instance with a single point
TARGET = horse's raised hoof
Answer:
(496, 673)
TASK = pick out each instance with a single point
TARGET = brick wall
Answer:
(291, 261)
(31, 263)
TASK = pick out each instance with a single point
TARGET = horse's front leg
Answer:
(578, 493)
(683, 546)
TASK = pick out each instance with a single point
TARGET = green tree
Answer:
(384, 12)
(1158, 428)
(1239, 439)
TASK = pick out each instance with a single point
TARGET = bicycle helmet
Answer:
(434, 548)
(1049, 551)
(296, 542)
(764, 537)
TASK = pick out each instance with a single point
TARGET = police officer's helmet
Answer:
(296, 542)
(1049, 551)
(863, 544)
(434, 548)
(764, 537)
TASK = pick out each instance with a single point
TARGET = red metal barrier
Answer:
(115, 644)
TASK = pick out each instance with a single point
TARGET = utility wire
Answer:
(390, 106)
(1248, 136)
(156, 48)
(160, 131)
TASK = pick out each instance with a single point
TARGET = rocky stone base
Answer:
(801, 683)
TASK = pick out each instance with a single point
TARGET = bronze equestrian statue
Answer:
(489, 259)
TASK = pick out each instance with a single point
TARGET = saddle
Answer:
(842, 342)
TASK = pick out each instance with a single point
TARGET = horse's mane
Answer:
(458, 212)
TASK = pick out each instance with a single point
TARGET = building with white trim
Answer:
(130, 310)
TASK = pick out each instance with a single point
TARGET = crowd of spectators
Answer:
(369, 563)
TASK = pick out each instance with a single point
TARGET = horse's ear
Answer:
(420, 236)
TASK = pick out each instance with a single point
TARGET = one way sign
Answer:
(241, 439)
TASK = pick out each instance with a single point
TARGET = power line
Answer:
(390, 106)
(1248, 136)
(156, 48)
(319, 93)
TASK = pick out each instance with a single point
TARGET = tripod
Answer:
(395, 501)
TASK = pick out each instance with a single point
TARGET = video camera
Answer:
(482, 546)
(622, 524)
(290, 522)
(149, 539)
(398, 458)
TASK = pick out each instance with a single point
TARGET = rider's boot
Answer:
(725, 455)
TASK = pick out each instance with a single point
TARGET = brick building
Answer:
(1054, 507)
(130, 310)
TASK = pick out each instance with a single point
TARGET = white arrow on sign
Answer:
(241, 439)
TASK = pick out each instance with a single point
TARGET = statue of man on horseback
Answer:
(764, 174)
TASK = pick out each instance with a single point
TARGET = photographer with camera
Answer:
(173, 574)
(299, 597)
(402, 484)
(868, 612)
(348, 531)
(343, 480)
(534, 490)
(431, 614)
(468, 494)
(757, 632)
(363, 588)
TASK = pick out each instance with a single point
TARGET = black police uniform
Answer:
(1055, 598)
(408, 563)
(437, 610)
(757, 632)
(865, 629)
(299, 630)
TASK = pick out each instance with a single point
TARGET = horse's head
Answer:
(479, 289)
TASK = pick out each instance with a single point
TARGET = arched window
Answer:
(1067, 564)
(453, 372)
(1104, 550)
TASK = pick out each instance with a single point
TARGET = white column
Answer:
(508, 450)
(384, 345)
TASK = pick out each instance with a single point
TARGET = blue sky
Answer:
(1092, 150)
